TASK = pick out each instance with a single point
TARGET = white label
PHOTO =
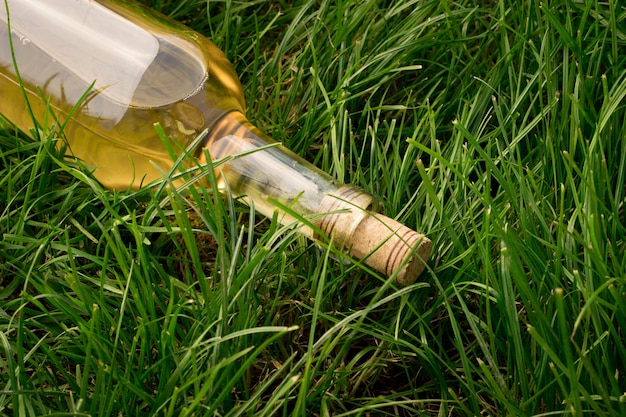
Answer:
(88, 39)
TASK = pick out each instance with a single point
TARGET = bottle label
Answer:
(83, 37)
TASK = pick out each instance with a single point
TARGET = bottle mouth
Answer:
(344, 210)
(351, 219)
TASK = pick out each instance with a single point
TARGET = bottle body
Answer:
(114, 70)
(143, 74)
(117, 79)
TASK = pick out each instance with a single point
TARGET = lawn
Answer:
(496, 129)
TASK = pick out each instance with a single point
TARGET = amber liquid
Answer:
(110, 71)
(187, 86)
(179, 80)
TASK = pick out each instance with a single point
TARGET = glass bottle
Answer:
(117, 69)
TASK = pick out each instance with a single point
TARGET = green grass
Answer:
(498, 130)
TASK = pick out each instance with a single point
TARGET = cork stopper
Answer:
(381, 242)
(390, 247)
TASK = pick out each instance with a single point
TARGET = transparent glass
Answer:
(116, 69)
(138, 69)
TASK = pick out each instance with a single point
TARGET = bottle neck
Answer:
(228, 124)
(273, 179)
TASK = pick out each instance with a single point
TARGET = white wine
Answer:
(116, 69)
(143, 69)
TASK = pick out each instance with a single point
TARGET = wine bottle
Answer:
(115, 69)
